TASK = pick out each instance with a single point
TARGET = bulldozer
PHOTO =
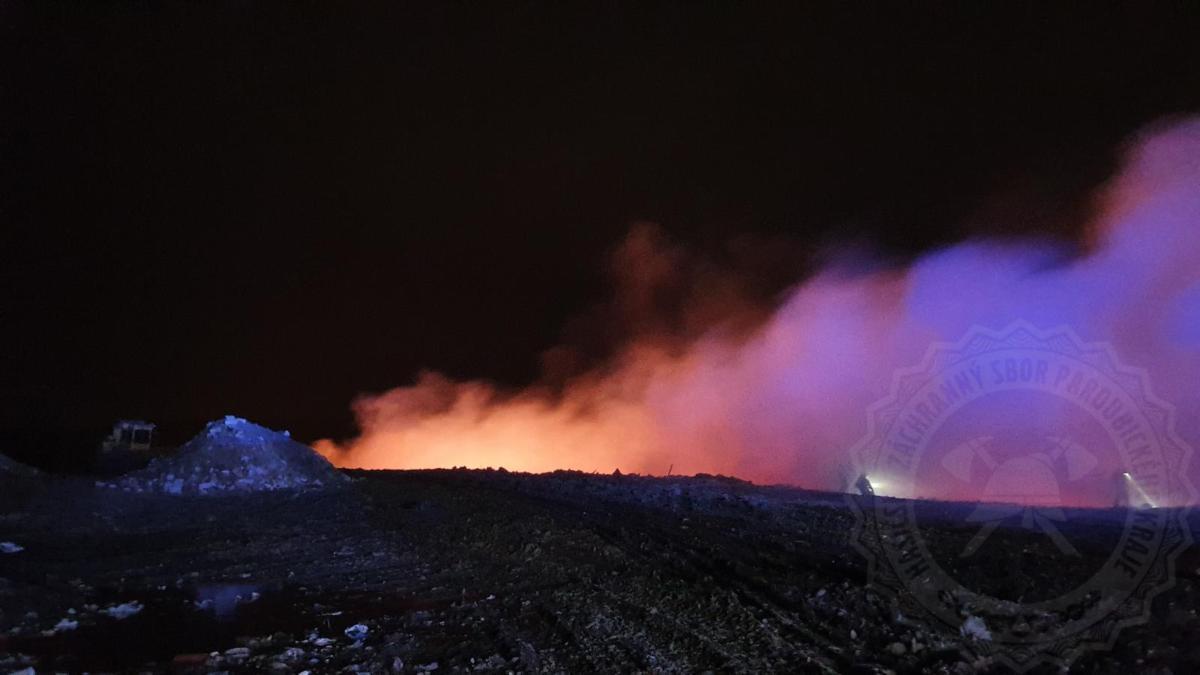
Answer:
(129, 435)
(128, 447)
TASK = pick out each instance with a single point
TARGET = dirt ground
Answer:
(491, 571)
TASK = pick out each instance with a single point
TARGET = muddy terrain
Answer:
(490, 571)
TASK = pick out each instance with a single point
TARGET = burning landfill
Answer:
(247, 551)
(776, 394)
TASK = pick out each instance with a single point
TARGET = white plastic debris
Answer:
(357, 632)
(66, 624)
(9, 547)
(124, 610)
(975, 628)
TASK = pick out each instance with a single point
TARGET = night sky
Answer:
(266, 209)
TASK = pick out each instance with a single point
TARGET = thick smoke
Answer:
(728, 387)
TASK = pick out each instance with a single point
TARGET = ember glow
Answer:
(783, 401)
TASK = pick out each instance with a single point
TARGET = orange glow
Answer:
(727, 402)
(711, 380)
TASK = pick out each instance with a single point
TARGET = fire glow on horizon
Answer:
(782, 403)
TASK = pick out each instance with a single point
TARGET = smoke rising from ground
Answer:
(779, 392)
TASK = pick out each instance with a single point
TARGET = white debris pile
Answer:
(123, 610)
(235, 455)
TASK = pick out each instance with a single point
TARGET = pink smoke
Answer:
(728, 386)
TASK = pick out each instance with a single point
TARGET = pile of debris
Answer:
(234, 455)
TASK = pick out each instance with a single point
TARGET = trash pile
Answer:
(233, 455)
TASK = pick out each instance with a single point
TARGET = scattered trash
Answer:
(291, 655)
(9, 547)
(66, 624)
(493, 662)
(123, 611)
(357, 632)
(975, 628)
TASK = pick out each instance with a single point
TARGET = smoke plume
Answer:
(777, 392)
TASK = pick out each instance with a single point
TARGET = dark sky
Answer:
(265, 209)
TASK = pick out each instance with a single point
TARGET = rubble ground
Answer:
(490, 571)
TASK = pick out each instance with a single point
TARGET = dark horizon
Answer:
(265, 210)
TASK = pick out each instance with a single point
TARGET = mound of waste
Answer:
(234, 455)
(11, 467)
